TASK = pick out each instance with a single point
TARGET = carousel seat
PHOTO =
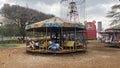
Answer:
(44, 45)
(117, 43)
(69, 44)
(79, 44)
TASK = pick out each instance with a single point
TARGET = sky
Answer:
(95, 9)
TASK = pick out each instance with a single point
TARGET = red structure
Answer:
(90, 29)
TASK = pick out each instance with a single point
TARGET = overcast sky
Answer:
(95, 9)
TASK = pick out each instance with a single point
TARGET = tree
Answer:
(114, 14)
(9, 30)
(22, 15)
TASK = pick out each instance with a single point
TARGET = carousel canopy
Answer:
(54, 23)
(115, 29)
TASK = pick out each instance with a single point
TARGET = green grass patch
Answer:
(10, 45)
(9, 41)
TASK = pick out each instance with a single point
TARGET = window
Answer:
(89, 26)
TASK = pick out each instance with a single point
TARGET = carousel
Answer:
(56, 35)
(111, 36)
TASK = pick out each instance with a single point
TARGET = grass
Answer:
(10, 42)
(10, 45)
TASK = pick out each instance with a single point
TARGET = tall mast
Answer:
(75, 10)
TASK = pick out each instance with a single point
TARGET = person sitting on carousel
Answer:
(54, 46)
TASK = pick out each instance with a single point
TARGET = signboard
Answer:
(52, 25)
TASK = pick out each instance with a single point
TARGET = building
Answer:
(99, 25)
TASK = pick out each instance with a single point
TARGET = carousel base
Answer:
(63, 51)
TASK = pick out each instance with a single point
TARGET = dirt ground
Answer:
(98, 55)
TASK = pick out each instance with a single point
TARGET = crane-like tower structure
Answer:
(74, 10)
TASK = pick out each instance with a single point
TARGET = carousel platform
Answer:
(63, 51)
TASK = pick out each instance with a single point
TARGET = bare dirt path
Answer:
(98, 55)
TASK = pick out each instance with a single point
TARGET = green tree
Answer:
(11, 30)
(22, 15)
(114, 14)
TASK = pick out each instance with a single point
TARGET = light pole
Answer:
(1, 36)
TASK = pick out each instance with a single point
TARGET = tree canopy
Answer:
(20, 16)
(114, 14)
